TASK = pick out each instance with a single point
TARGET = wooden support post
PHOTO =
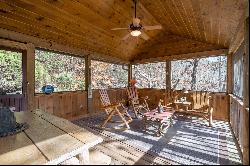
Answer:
(168, 74)
(246, 95)
(246, 66)
(229, 74)
(129, 72)
(229, 89)
(88, 83)
(28, 63)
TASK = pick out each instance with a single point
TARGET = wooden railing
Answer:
(220, 101)
(63, 104)
(239, 120)
(70, 104)
(15, 100)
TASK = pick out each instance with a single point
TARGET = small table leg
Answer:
(160, 132)
(84, 157)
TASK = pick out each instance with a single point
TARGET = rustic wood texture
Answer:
(77, 132)
(28, 61)
(16, 101)
(194, 24)
(66, 104)
(20, 151)
(48, 140)
(239, 120)
(219, 104)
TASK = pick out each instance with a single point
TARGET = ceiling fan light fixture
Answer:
(135, 33)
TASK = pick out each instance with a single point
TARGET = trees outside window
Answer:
(64, 72)
(204, 74)
(10, 72)
(238, 72)
(108, 75)
(151, 75)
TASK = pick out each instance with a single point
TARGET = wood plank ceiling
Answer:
(188, 25)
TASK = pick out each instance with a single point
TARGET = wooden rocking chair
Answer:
(135, 101)
(201, 105)
(113, 109)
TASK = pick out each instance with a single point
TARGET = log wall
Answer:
(63, 104)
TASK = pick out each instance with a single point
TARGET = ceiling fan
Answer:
(136, 28)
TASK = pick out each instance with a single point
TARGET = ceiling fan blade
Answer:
(114, 29)
(152, 27)
(144, 36)
(125, 37)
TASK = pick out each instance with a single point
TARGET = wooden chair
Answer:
(202, 105)
(170, 96)
(137, 103)
(113, 109)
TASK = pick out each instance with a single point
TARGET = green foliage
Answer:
(64, 72)
(10, 72)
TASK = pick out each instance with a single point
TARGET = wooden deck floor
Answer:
(189, 141)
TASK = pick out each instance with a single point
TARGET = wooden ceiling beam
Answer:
(54, 36)
(201, 54)
(53, 46)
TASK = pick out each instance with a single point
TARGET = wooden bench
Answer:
(201, 105)
(48, 140)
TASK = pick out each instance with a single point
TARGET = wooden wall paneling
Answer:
(82, 103)
(239, 124)
(36, 102)
(57, 105)
(13, 100)
(245, 135)
(245, 120)
(246, 65)
(43, 102)
(17, 104)
(74, 106)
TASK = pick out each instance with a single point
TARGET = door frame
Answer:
(28, 69)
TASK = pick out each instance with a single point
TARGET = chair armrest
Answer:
(112, 106)
(144, 98)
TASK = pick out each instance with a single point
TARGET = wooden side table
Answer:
(160, 119)
(184, 104)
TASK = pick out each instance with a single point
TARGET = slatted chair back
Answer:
(170, 96)
(200, 100)
(133, 94)
(104, 97)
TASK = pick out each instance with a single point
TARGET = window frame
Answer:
(66, 54)
(226, 82)
(132, 73)
(239, 56)
(109, 62)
